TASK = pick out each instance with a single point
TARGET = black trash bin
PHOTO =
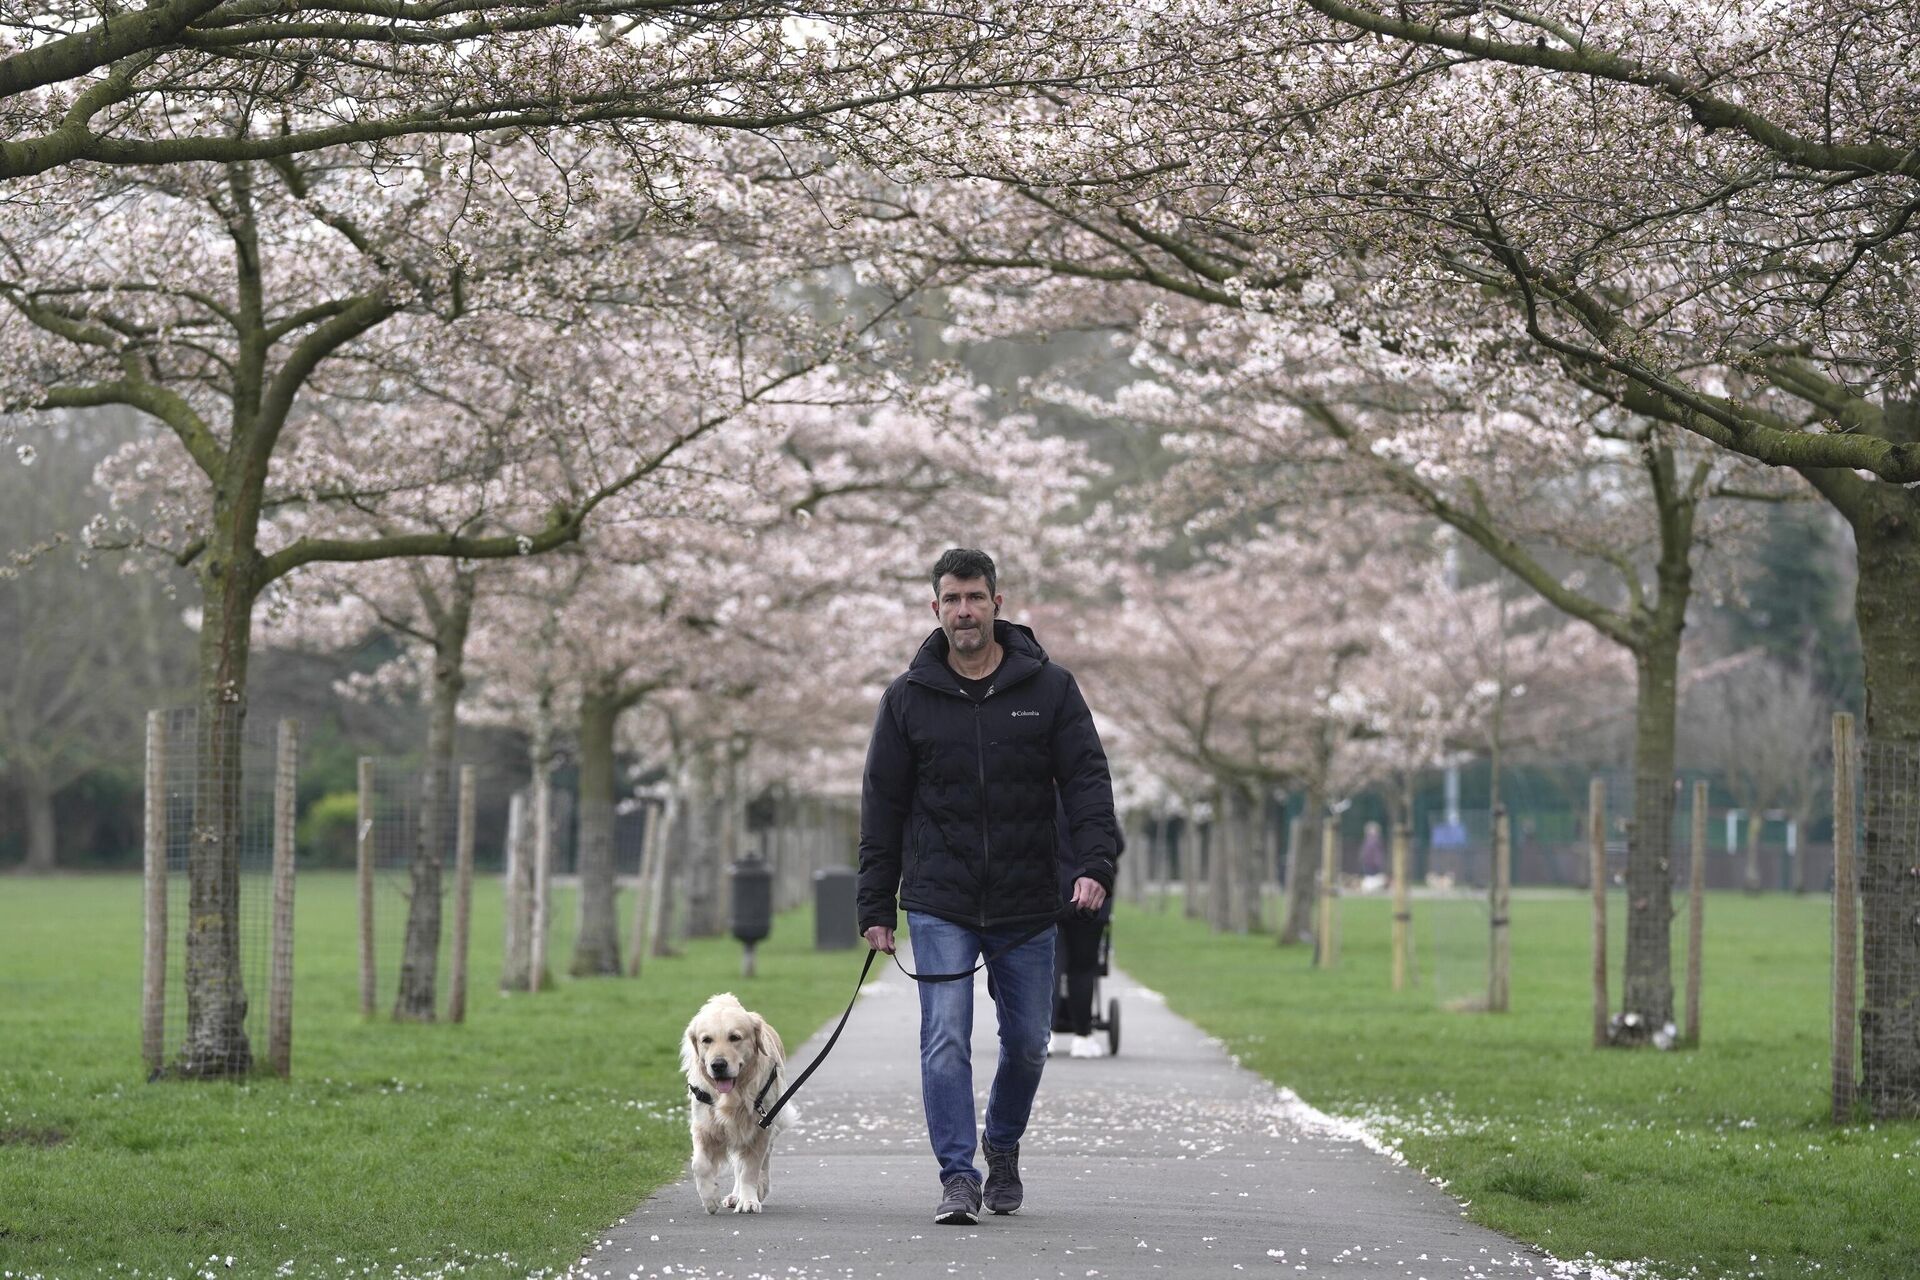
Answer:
(836, 911)
(752, 885)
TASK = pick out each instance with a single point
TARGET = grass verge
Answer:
(1716, 1161)
(496, 1147)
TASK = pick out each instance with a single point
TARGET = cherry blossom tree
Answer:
(725, 612)
(225, 82)
(1324, 657)
(1349, 378)
(1704, 216)
(463, 276)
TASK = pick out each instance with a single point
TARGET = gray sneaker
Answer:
(1003, 1191)
(960, 1203)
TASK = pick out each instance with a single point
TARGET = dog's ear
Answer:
(689, 1051)
(766, 1040)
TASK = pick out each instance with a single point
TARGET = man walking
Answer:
(975, 751)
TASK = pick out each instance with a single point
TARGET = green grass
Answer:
(499, 1146)
(1718, 1158)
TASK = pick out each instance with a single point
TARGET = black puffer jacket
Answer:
(957, 809)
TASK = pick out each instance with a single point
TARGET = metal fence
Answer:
(1876, 927)
(218, 867)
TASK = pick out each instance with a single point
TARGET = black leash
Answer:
(1021, 941)
(827, 1048)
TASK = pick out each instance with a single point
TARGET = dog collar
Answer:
(759, 1103)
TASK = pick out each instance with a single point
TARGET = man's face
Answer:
(966, 612)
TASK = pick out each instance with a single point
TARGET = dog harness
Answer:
(759, 1102)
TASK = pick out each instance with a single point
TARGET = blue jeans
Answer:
(1023, 999)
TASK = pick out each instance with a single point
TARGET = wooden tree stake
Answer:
(643, 886)
(286, 776)
(462, 897)
(1597, 868)
(542, 875)
(363, 867)
(1402, 904)
(1846, 921)
(153, 975)
(1696, 910)
(1328, 948)
(1500, 950)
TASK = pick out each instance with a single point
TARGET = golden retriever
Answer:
(736, 1068)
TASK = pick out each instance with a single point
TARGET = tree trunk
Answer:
(596, 948)
(1190, 859)
(1887, 608)
(659, 909)
(1159, 858)
(1303, 869)
(1222, 851)
(1750, 874)
(420, 954)
(1801, 813)
(1303, 879)
(1648, 999)
(1253, 860)
(517, 948)
(1128, 877)
(216, 1031)
(1242, 878)
(36, 789)
(702, 860)
(1647, 1003)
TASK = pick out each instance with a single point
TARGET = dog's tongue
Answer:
(724, 1086)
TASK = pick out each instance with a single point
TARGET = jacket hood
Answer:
(1021, 645)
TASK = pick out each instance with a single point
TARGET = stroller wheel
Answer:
(1113, 1027)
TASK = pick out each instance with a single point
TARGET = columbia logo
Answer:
(1023, 713)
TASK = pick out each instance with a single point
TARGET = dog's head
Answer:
(724, 1045)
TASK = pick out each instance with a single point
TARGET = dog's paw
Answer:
(731, 1202)
(748, 1203)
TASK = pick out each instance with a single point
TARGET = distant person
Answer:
(1373, 852)
(972, 750)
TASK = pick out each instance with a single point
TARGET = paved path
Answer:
(1167, 1160)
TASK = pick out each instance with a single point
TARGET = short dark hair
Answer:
(966, 565)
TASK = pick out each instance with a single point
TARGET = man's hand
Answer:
(880, 938)
(1088, 896)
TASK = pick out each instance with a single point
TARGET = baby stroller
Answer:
(1106, 1018)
